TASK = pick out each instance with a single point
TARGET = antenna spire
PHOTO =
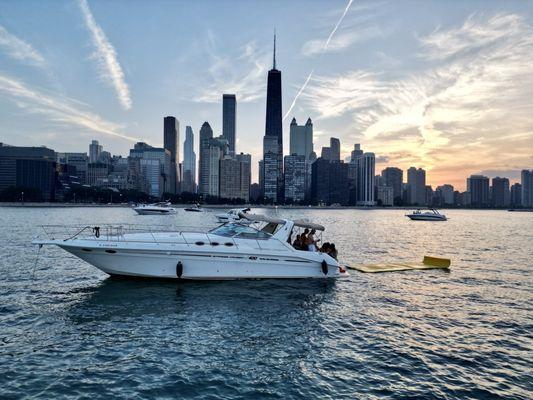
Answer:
(274, 61)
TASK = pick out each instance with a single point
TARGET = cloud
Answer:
(472, 96)
(242, 73)
(20, 50)
(318, 47)
(106, 57)
(341, 41)
(62, 111)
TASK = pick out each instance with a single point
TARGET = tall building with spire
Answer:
(273, 129)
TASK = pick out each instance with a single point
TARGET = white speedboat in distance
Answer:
(195, 208)
(232, 215)
(429, 215)
(230, 251)
(162, 208)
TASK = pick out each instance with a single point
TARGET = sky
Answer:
(442, 85)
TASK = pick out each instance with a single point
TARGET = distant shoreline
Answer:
(225, 206)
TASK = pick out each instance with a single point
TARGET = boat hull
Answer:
(141, 211)
(426, 218)
(196, 266)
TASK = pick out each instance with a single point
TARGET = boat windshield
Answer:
(239, 231)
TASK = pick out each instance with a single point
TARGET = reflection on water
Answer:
(73, 332)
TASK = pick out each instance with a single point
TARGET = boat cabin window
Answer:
(239, 231)
(271, 228)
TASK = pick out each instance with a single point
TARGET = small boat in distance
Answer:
(429, 215)
(162, 208)
(195, 208)
(232, 215)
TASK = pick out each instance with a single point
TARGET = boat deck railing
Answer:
(124, 233)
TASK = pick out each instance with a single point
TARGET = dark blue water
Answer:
(72, 332)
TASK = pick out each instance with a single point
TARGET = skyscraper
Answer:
(94, 151)
(273, 128)
(500, 193)
(333, 152)
(516, 195)
(270, 169)
(229, 125)
(477, 187)
(171, 139)
(416, 186)
(527, 187)
(206, 134)
(301, 139)
(366, 169)
(218, 149)
(296, 177)
(393, 177)
(445, 195)
(189, 162)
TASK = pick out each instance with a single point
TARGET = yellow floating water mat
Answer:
(427, 263)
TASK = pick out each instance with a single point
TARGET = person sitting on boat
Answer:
(324, 248)
(297, 244)
(333, 251)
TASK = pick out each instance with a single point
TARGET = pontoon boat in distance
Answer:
(230, 251)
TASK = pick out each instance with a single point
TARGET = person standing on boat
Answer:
(303, 239)
(311, 242)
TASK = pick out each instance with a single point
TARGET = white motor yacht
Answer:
(232, 215)
(428, 215)
(229, 251)
(162, 208)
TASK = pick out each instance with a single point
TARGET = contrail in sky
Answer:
(323, 49)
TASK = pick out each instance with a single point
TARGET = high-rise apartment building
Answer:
(77, 160)
(235, 175)
(527, 187)
(416, 186)
(189, 163)
(171, 139)
(500, 192)
(445, 195)
(297, 178)
(218, 150)
(270, 169)
(229, 120)
(392, 177)
(155, 168)
(478, 190)
(273, 129)
(516, 195)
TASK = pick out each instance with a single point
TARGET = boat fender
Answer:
(179, 269)
(96, 231)
(324, 267)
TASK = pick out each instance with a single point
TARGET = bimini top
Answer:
(310, 225)
(264, 218)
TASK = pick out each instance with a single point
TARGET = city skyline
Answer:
(432, 96)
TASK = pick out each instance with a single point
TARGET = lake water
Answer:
(467, 333)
